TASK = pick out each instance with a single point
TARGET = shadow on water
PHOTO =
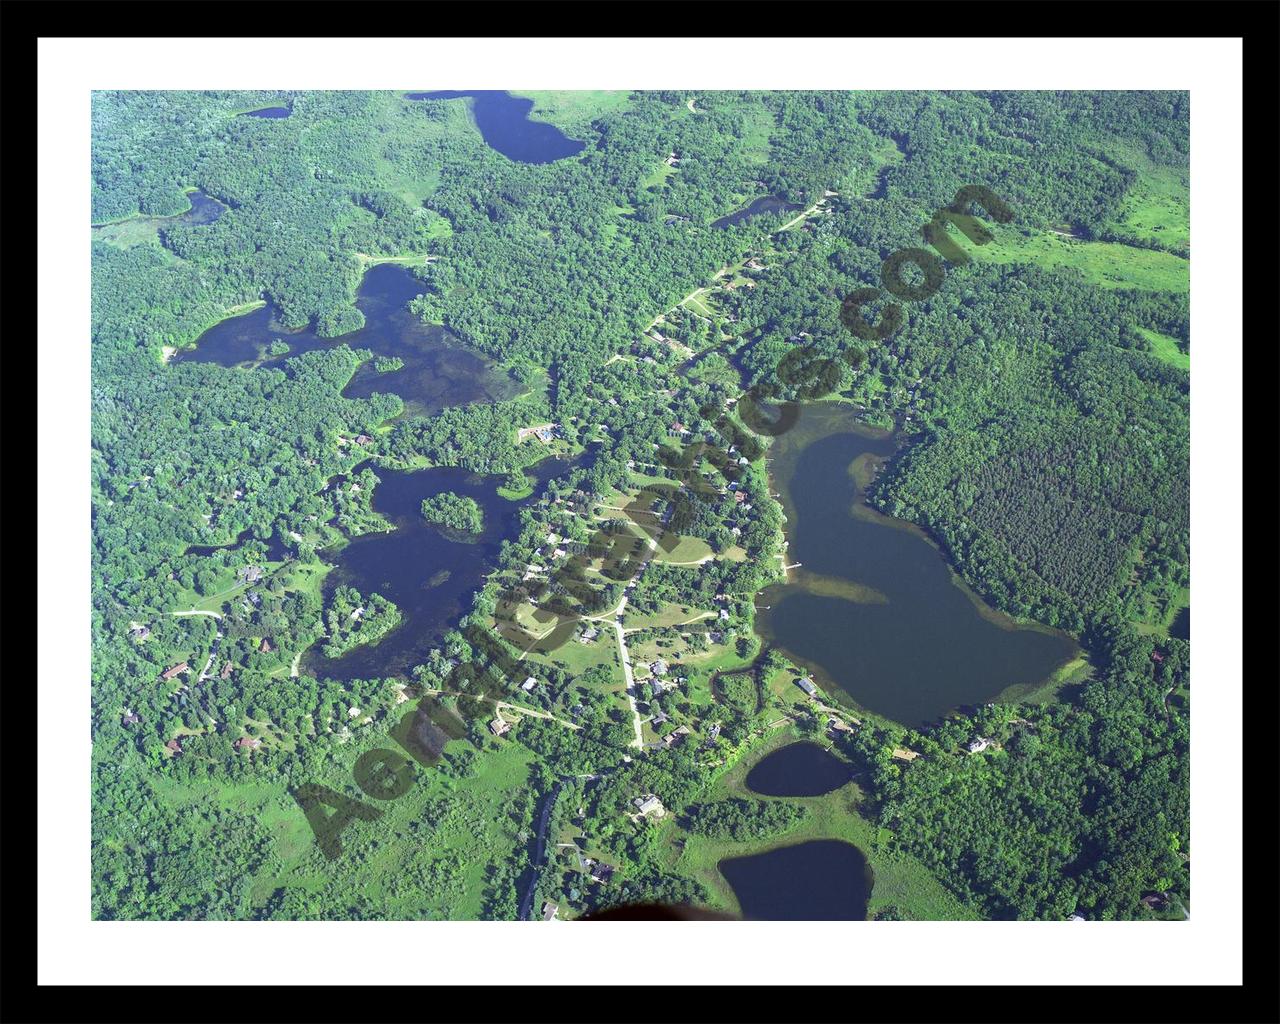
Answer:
(819, 880)
(429, 576)
(876, 610)
(503, 121)
(438, 371)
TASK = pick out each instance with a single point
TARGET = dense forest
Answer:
(1048, 456)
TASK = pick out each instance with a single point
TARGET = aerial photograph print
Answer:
(746, 505)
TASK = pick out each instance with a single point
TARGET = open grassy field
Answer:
(687, 549)
(658, 176)
(1107, 264)
(1158, 205)
(1166, 349)
(574, 108)
(425, 858)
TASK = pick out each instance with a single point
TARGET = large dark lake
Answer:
(504, 123)
(798, 769)
(429, 576)
(875, 609)
(820, 880)
(438, 371)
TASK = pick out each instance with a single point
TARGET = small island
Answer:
(278, 347)
(515, 487)
(385, 364)
(352, 620)
(454, 512)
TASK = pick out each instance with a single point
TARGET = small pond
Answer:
(799, 769)
(819, 880)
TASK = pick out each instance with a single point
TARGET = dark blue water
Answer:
(271, 112)
(429, 576)
(875, 610)
(1181, 628)
(821, 880)
(504, 123)
(438, 371)
(204, 210)
(798, 769)
(758, 207)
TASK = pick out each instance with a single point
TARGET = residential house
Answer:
(529, 684)
(499, 727)
(979, 745)
(602, 873)
(671, 739)
(550, 910)
(806, 684)
(248, 743)
(174, 746)
(265, 647)
(175, 670)
(649, 804)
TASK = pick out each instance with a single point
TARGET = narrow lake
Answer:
(820, 880)
(798, 769)
(503, 121)
(438, 371)
(757, 207)
(273, 113)
(875, 609)
(428, 576)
